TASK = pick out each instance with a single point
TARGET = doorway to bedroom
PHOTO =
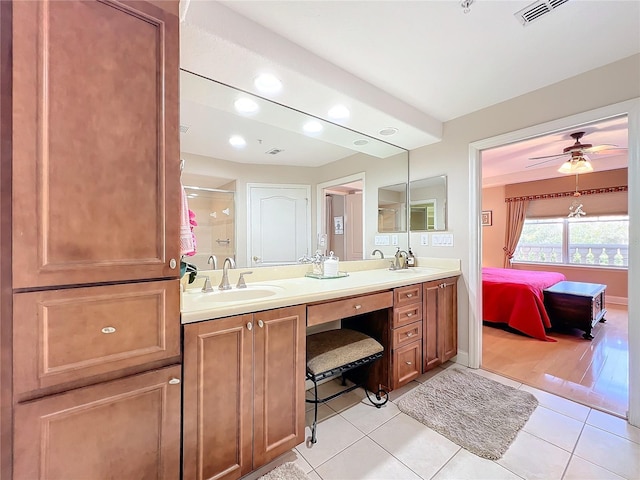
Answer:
(591, 372)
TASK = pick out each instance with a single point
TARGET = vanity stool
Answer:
(335, 352)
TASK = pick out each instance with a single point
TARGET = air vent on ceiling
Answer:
(274, 151)
(183, 128)
(536, 10)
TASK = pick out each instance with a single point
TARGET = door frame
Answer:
(631, 108)
(320, 212)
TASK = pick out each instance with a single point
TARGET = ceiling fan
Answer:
(576, 159)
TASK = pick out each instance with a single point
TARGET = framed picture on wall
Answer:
(338, 226)
(487, 218)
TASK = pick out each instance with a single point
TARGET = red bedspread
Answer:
(515, 297)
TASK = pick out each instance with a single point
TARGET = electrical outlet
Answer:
(424, 239)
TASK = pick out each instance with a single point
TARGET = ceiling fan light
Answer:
(566, 167)
(583, 166)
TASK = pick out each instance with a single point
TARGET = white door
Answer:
(279, 230)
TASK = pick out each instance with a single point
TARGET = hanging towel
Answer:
(187, 238)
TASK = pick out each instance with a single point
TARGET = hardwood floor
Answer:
(594, 373)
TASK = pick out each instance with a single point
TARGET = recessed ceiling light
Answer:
(245, 105)
(267, 83)
(339, 112)
(360, 142)
(312, 127)
(237, 141)
(388, 131)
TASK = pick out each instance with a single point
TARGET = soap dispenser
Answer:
(411, 259)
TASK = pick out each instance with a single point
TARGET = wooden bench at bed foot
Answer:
(576, 304)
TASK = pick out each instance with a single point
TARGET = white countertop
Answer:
(363, 277)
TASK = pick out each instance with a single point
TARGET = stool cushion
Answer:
(334, 348)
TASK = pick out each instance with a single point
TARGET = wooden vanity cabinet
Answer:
(92, 163)
(121, 429)
(406, 360)
(243, 392)
(440, 327)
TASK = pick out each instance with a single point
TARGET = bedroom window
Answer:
(591, 240)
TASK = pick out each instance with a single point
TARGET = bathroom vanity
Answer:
(244, 354)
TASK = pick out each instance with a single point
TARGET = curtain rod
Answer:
(591, 191)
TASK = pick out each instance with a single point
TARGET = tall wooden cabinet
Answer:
(440, 332)
(91, 340)
(243, 392)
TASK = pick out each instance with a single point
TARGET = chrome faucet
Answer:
(378, 251)
(213, 261)
(206, 288)
(224, 283)
(401, 254)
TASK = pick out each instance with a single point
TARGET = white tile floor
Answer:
(561, 440)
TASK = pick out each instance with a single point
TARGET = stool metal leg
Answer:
(315, 411)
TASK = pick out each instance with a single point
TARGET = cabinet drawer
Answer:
(65, 336)
(339, 309)
(407, 363)
(407, 334)
(406, 295)
(407, 314)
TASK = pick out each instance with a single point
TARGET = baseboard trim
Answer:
(617, 300)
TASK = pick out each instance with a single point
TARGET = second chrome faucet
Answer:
(224, 283)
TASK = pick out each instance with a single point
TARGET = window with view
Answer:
(596, 240)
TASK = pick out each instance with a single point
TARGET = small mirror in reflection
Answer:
(428, 204)
(392, 208)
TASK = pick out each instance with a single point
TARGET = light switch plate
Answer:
(381, 240)
(442, 240)
(424, 239)
(394, 239)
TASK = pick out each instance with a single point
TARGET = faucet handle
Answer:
(241, 283)
(206, 288)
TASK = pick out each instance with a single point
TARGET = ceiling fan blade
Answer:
(543, 162)
(608, 151)
(557, 155)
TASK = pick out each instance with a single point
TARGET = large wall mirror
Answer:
(267, 192)
(428, 204)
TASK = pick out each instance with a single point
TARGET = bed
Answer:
(515, 298)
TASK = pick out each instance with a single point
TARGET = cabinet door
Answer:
(218, 385)
(430, 351)
(448, 319)
(96, 193)
(128, 428)
(70, 337)
(279, 380)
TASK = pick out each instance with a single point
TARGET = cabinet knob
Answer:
(173, 263)
(409, 334)
(358, 307)
(260, 323)
(174, 381)
(249, 326)
(409, 295)
(410, 314)
(409, 363)
(108, 330)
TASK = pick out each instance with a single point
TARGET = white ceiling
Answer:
(407, 64)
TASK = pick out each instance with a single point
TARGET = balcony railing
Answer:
(611, 255)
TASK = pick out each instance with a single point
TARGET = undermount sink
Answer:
(196, 296)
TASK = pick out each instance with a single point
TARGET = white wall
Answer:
(604, 86)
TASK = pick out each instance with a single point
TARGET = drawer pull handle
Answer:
(108, 330)
(249, 326)
(409, 334)
(260, 323)
(174, 381)
(358, 307)
(409, 295)
(410, 314)
(409, 363)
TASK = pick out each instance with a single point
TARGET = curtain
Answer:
(516, 214)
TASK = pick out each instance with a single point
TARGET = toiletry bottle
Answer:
(411, 259)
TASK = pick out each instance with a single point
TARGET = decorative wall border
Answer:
(593, 191)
